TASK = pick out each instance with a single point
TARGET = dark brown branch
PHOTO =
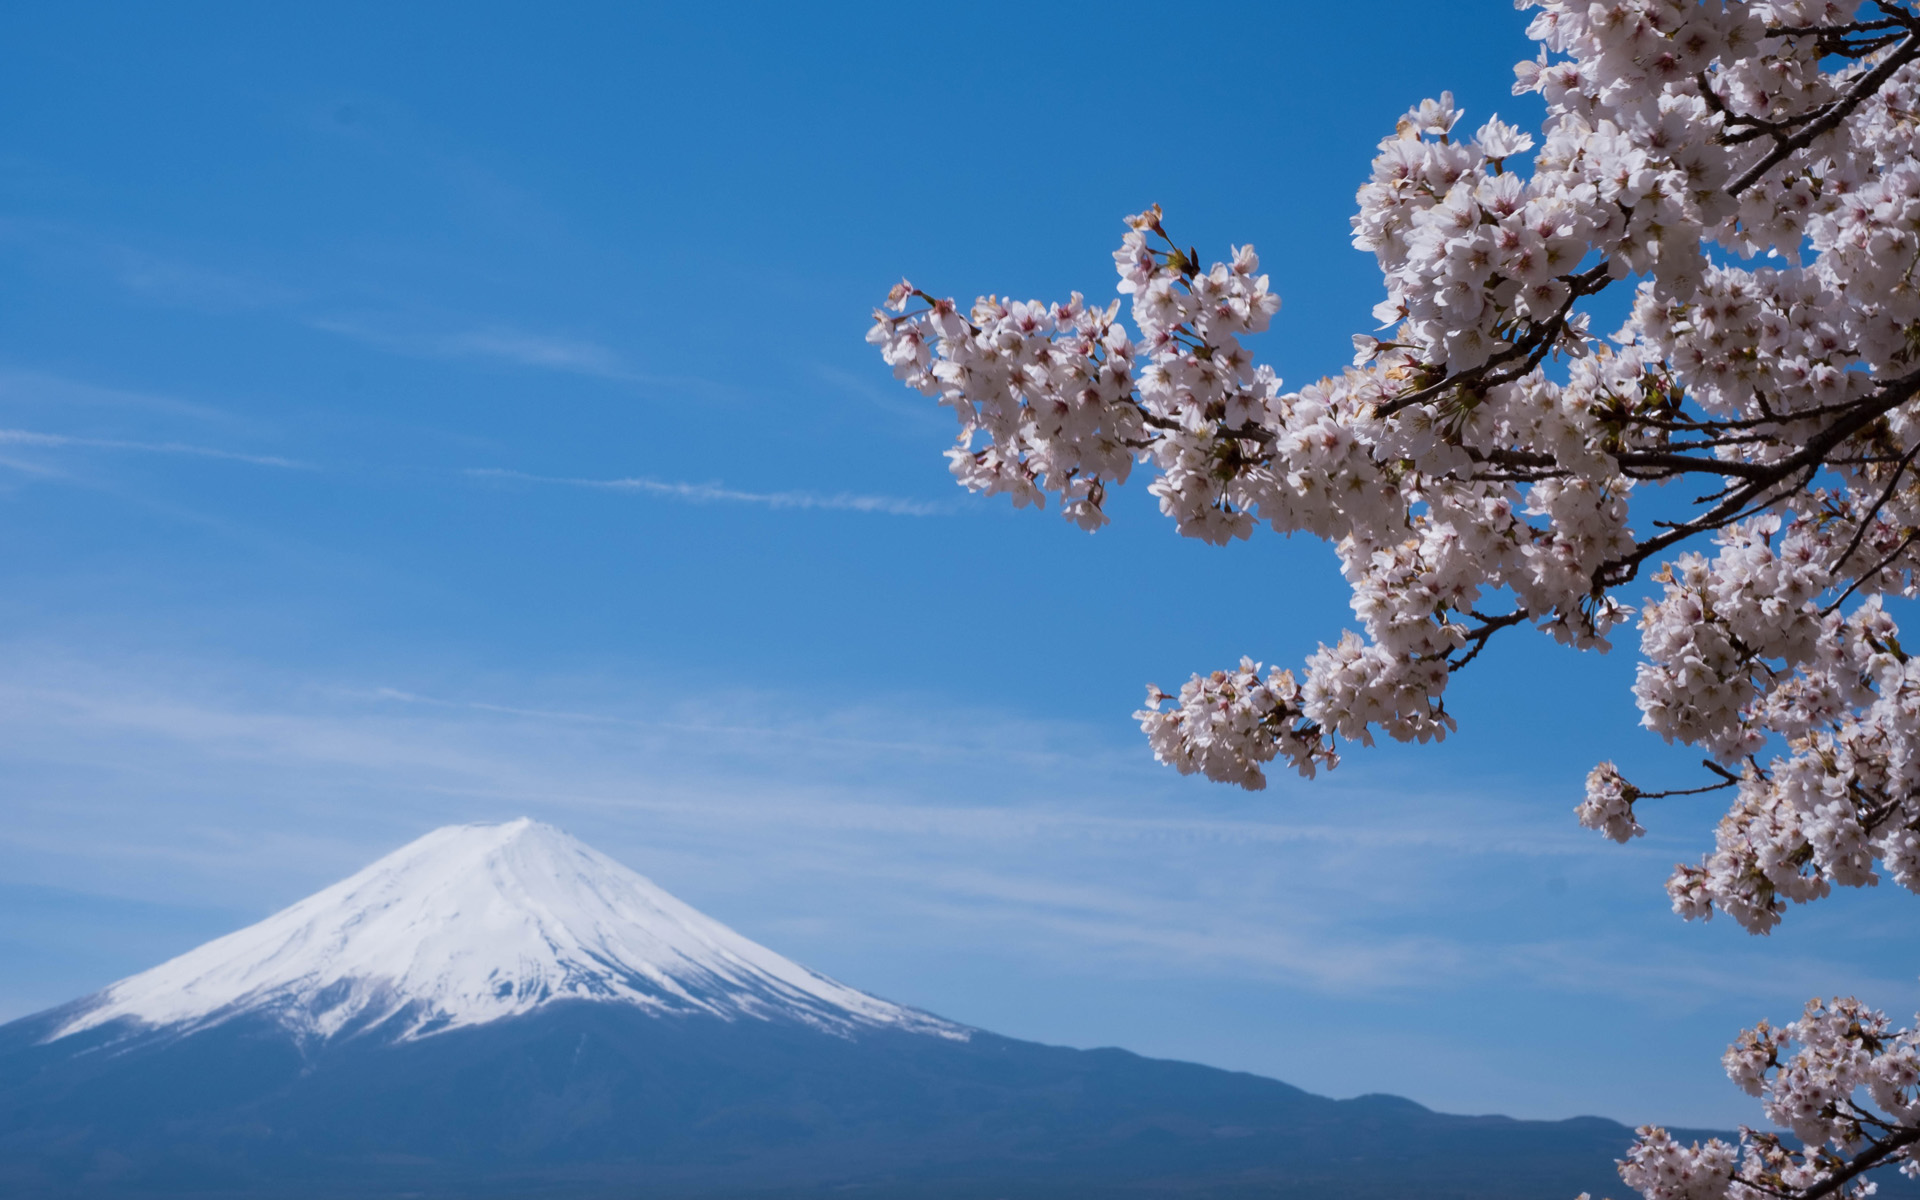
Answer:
(1719, 770)
(1826, 31)
(1829, 116)
(1809, 459)
(1727, 779)
(1878, 567)
(1533, 348)
(1685, 463)
(1878, 1156)
(1771, 418)
(1866, 522)
(1478, 637)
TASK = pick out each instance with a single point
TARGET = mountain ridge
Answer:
(580, 1100)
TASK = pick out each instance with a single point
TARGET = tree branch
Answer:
(1830, 116)
(1861, 1165)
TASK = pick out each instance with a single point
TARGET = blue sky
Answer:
(449, 413)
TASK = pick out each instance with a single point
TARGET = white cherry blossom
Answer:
(1748, 173)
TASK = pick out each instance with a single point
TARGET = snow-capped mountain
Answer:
(496, 1010)
(475, 923)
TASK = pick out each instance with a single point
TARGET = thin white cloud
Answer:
(533, 350)
(713, 493)
(43, 388)
(500, 343)
(175, 281)
(180, 282)
(160, 277)
(930, 850)
(896, 400)
(1679, 977)
(60, 441)
(463, 745)
(942, 836)
(439, 763)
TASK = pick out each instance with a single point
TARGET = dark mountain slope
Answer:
(588, 1100)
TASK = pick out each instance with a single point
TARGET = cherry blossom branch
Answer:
(1861, 1164)
(1727, 779)
(1773, 328)
(1763, 483)
(1447, 467)
(1863, 524)
(1828, 116)
(1877, 568)
(1531, 349)
(1478, 636)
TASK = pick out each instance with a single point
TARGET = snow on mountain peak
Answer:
(474, 923)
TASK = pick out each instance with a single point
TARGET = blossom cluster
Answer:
(1748, 171)
(1841, 1079)
(1752, 171)
(1226, 724)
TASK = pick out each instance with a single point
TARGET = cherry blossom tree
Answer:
(1747, 171)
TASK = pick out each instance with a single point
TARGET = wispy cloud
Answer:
(175, 281)
(499, 343)
(1140, 891)
(59, 441)
(713, 493)
(896, 400)
(44, 388)
(182, 283)
(1157, 929)
(159, 277)
(989, 865)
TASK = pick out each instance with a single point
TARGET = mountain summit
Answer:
(477, 923)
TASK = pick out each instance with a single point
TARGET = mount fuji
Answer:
(498, 1010)
(479, 923)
